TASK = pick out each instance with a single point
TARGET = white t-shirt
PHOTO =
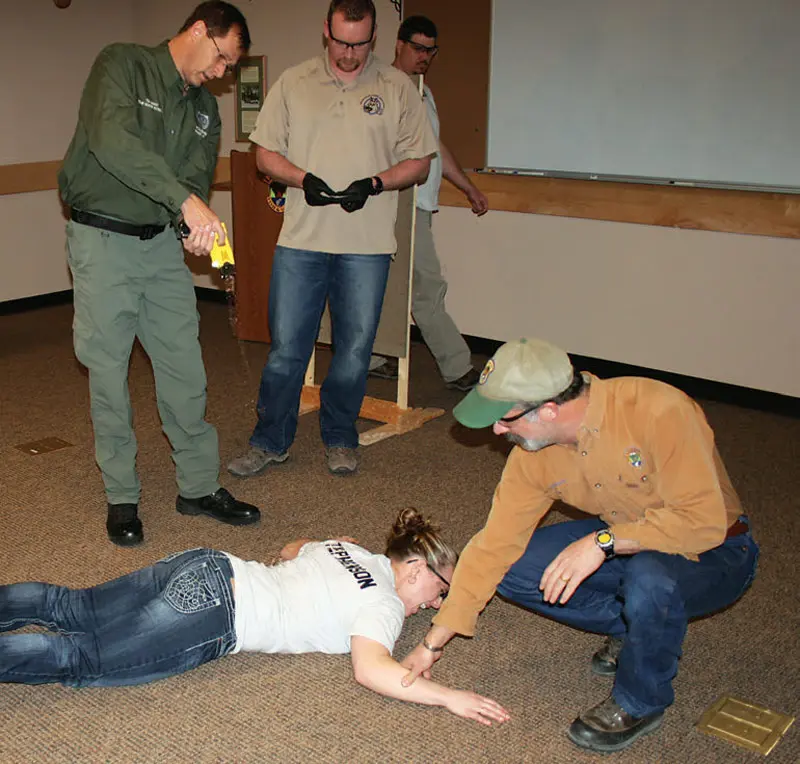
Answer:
(428, 192)
(329, 593)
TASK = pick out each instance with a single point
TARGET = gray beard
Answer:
(529, 444)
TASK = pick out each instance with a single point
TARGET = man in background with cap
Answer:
(667, 540)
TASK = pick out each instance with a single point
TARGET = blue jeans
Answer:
(153, 623)
(645, 598)
(301, 283)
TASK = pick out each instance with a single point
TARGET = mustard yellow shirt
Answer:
(645, 463)
(342, 132)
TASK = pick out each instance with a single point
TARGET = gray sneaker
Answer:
(254, 462)
(341, 461)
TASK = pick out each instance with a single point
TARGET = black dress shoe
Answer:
(221, 506)
(608, 727)
(123, 525)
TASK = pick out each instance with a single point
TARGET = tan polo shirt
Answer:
(341, 133)
(645, 462)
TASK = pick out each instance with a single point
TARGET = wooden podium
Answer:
(257, 205)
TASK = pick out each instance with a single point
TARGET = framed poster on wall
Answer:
(251, 89)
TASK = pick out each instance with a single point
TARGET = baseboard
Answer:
(37, 301)
(62, 298)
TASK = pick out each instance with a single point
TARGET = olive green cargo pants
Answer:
(127, 288)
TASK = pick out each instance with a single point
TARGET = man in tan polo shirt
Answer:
(345, 132)
(668, 540)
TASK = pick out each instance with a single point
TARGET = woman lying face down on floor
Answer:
(196, 606)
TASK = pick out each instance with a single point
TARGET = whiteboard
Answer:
(703, 92)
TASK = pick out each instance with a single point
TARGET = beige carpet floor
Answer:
(254, 708)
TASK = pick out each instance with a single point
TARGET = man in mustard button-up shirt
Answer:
(668, 540)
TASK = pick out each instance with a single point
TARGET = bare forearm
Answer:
(384, 676)
(439, 636)
(452, 170)
(405, 174)
(279, 168)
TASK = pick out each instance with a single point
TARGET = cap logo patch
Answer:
(487, 370)
(372, 105)
(634, 457)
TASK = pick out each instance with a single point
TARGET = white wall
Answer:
(52, 51)
(712, 305)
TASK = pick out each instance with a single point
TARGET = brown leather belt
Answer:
(737, 529)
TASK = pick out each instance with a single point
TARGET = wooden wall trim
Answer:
(705, 209)
(28, 177)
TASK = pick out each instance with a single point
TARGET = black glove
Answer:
(355, 196)
(318, 192)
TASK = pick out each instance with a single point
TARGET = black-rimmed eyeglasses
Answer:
(354, 46)
(515, 417)
(438, 575)
(428, 50)
(229, 67)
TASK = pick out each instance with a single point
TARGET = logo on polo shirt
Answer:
(372, 105)
(277, 196)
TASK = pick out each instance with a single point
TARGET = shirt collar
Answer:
(166, 66)
(596, 409)
(365, 74)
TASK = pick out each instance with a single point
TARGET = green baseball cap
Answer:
(525, 370)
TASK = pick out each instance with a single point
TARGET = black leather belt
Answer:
(116, 226)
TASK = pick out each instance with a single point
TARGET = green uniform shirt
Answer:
(144, 140)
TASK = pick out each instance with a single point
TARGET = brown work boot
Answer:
(608, 727)
(604, 661)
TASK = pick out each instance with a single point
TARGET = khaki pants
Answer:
(126, 288)
(439, 331)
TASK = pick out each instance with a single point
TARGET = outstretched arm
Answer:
(375, 668)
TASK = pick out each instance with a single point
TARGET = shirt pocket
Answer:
(636, 477)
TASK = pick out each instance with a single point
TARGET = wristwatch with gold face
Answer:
(604, 538)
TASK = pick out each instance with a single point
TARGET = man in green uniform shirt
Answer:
(142, 158)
